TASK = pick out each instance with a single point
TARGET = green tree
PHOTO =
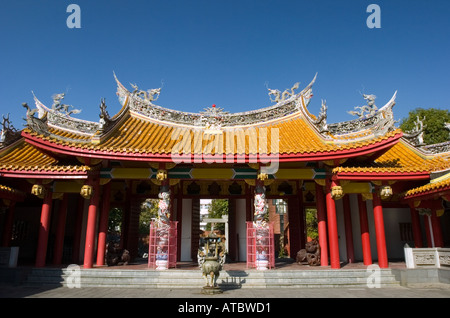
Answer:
(149, 210)
(311, 223)
(217, 208)
(115, 220)
(434, 123)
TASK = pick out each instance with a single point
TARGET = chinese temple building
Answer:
(374, 186)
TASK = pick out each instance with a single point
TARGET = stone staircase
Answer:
(231, 279)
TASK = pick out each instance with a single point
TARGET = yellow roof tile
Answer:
(296, 136)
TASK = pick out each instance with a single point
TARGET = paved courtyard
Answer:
(418, 291)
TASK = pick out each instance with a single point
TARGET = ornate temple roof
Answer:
(402, 160)
(436, 188)
(368, 147)
(22, 158)
(145, 131)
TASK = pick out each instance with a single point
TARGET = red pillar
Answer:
(322, 225)
(348, 230)
(332, 228)
(103, 226)
(437, 230)
(365, 236)
(60, 230)
(9, 222)
(44, 229)
(90, 229)
(417, 232)
(379, 231)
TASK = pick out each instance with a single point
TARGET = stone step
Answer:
(174, 278)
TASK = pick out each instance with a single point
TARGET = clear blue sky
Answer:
(223, 52)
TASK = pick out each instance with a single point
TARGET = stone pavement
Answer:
(417, 291)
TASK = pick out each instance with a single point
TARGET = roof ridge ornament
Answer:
(9, 133)
(105, 119)
(63, 108)
(213, 117)
(38, 125)
(321, 121)
(415, 136)
(140, 102)
(370, 109)
(378, 122)
(148, 95)
(281, 97)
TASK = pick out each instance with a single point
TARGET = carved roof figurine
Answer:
(213, 117)
(105, 119)
(321, 121)
(415, 136)
(281, 97)
(9, 134)
(149, 95)
(63, 108)
(38, 125)
(366, 110)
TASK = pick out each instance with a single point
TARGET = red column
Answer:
(364, 226)
(379, 231)
(44, 229)
(103, 226)
(9, 222)
(417, 232)
(90, 229)
(322, 225)
(332, 228)
(60, 230)
(437, 230)
(348, 230)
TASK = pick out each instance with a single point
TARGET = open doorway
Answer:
(214, 218)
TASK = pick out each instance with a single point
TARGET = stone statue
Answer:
(310, 254)
(115, 255)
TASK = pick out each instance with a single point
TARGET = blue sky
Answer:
(224, 52)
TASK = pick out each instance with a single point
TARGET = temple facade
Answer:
(375, 187)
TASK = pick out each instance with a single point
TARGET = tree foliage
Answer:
(311, 223)
(217, 208)
(434, 122)
(149, 210)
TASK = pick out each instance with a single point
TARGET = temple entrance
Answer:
(229, 219)
(214, 218)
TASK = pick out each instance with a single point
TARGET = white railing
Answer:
(427, 257)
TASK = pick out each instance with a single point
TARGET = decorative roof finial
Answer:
(63, 108)
(367, 110)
